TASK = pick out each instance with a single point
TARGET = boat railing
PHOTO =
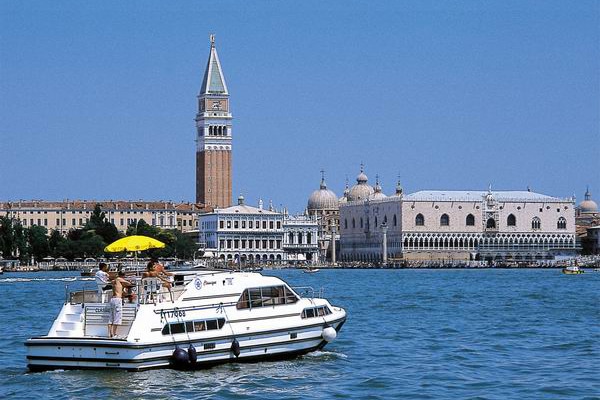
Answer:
(309, 291)
(143, 291)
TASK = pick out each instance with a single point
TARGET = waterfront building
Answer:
(300, 239)
(243, 233)
(369, 223)
(214, 137)
(65, 215)
(492, 225)
(323, 205)
(455, 225)
(586, 217)
(593, 238)
(586, 212)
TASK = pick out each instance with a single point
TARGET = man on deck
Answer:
(115, 315)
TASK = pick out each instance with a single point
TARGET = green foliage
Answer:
(13, 238)
(90, 241)
(37, 237)
(55, 242)
(101, 226)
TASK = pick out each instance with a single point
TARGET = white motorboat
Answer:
(206, 318)
(311, 270)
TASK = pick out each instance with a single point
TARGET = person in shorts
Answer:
(115, 315)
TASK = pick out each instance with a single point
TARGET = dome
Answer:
(344, 198)
(323, 198)
(378, 194)
(398, 188)
(588, 205)
(362, 190)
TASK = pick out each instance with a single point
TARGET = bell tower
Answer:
(213, 140)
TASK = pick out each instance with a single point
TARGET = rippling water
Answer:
(415, 334)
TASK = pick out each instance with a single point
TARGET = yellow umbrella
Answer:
(134, 243)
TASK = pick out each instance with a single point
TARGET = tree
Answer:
(101, 226)
(13, 239)
(184, 246)
(7, 237)
(55, 242)
(37, 237)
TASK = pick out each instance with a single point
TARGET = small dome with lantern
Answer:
(344, 198)
(377, 194)
(362, 190)
(588, 205)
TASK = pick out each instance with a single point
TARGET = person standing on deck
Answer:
(115, 315)
(102, 278)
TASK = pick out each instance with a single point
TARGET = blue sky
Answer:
(98, 98)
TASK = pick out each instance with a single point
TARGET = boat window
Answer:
(243, 301)
(266, 296)
(199, 326)
(319, 311)
(193, 326)
(177, 328)
(255, 297)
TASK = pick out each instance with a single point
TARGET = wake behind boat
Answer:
(207, 318)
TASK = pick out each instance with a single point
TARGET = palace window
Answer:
(562, 223)
(395, 220)
(345, 223)
(419, 220)
(511, 220)
(361, 222)
(536, 223)
(491, 223)
(470, 220)
(444, 220)
(353, 223)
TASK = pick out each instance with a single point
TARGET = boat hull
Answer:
(50, 353)
(571, 272)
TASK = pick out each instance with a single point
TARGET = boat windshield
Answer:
(266, 296)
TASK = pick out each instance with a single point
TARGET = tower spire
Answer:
(214, 80)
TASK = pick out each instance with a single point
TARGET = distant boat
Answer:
(311, 270)
(572, 270)
(89, 271)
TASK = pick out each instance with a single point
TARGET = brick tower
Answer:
(213, 144)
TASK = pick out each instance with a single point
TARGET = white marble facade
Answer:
(460, 225)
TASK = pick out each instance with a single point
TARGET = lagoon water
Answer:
(413, 334)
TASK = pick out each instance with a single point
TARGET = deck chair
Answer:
(102, 294)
